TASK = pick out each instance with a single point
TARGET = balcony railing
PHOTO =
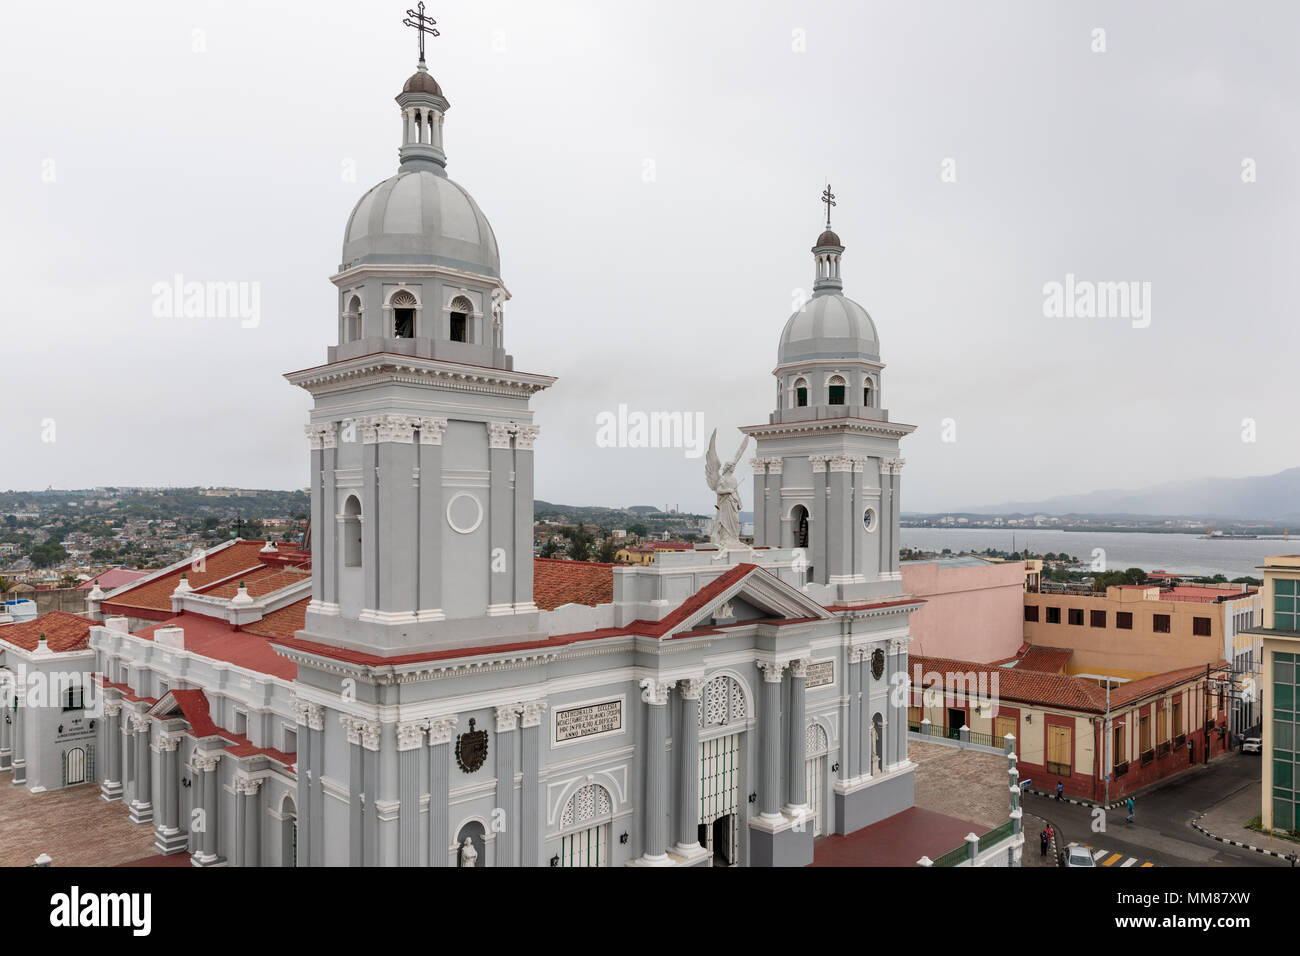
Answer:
(1147, 757)
(1162, 750)
(1120, 769)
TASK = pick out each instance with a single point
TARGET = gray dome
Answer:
(829, 326)
(419, 217)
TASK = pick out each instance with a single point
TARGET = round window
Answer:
(869, 519)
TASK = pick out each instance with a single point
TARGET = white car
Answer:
(1079, 856)
(1252, 745)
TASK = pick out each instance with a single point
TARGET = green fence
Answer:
(962, 853)
(995, 835)
(954, 857)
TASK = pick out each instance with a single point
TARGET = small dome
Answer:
(828, 238)
(420, 217)
(829, 326)
(422, 82)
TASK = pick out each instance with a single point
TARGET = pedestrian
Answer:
(1043, 838)
(1060, 790)
(1129, 805)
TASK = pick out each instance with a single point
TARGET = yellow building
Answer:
(1281, 693)
(1134, 630)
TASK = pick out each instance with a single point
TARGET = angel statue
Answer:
(722, 481)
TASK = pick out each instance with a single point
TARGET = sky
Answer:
(653, 175)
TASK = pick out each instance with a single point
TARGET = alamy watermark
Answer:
(1085, 299)
(627, 428)
(179, 299)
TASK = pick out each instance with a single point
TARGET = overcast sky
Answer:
(652, 172)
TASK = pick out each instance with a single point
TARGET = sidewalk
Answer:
(1225, 822)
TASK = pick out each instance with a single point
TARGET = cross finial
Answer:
(416, 18)
(828, 198)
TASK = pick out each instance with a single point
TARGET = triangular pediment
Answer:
(747, 592)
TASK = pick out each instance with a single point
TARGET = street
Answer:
(1161, 833)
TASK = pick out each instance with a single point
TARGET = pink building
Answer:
(974, 609)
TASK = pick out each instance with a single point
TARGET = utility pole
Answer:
(1206, 758)
(1109, 755)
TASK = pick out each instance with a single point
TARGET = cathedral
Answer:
(411, 687)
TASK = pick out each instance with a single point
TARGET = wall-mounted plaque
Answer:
(820, 673)
(603, 718)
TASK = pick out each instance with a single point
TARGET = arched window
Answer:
(866, 392)
(585, 825)
(816, 747)
(836, 387)
(722, 702)
(352, 532)
(288, 832)
(74, 766)
(73, 698)
(403, 304)
(799, 523)
(461, 308)
(352, 320)
(800, 393)
(878, 741)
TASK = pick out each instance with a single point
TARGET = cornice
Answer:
(831, 426)
(382, 367)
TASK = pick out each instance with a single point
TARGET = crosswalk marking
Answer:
(1111, 858)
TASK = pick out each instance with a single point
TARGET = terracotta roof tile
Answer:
(156, 595)
(1051, 660)
(281, 623)
(556, 583)
(63, 632)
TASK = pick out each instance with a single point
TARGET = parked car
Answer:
(1079, 856)
(1252, 745)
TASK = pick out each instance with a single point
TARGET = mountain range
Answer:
(1263, 497)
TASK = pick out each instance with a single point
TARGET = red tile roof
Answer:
(63, 632)
(1028, 687)
(264, 580)
(219, 641)
(194, 707)
(281, 623)
(113, 578)
(1051, 660)
(556, 583)
(155, 596)
(1055, 690)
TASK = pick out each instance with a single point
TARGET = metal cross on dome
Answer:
(828, 198)
(416, 18)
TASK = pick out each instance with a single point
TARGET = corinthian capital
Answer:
(441, 729)
(531, 716)
(499, 434)
(526, 436)
(410, 735)
(507, 718)
(431, 430)
(655, 692)
(322, 436)
(771, 671)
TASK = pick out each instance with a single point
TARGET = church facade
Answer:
(413, 688)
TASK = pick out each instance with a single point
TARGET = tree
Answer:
(607, 552)
(580, 543)
(638, 529)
